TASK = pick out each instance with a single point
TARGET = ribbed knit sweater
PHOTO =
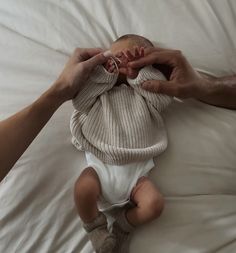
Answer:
(119, 124)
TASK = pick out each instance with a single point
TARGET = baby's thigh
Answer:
(87, 182)
(145, 193)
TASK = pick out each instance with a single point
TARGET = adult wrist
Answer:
(55, 96)
(207, 87)
(212, 91)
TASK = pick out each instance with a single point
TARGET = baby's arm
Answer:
(159, 101)
(99, 82)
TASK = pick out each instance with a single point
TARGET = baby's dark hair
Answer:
(137, 39)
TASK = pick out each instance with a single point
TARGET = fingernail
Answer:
(107, 53)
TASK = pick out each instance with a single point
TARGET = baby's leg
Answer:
(86, 193)
(148, 200)
(148, 206)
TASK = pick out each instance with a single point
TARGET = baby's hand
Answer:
(127, 56)
(121, 61)
(110, 66)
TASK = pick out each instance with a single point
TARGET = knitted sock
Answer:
(122, 230)
(102, 240)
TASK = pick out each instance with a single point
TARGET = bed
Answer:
(196, 174)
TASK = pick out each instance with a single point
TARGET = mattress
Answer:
(196, 174)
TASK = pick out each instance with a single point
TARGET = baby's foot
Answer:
(122, 239)
(122, 230)
(101, 239)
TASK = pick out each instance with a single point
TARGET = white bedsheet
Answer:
(197, 173)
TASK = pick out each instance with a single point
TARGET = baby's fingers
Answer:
(141, 51)
(136, 52)
(123, 59)
(111, 69)
(129, 55)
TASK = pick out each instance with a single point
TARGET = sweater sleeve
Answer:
(99, 82)
(159, 101)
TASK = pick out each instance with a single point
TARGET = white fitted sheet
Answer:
(197, 173)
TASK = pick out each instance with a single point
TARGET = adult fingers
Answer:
(168, 57)
(146, 60)
(83, 54)
(164, 87)
(95, 60)
(149, 50)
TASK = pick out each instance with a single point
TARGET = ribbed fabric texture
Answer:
(101, 239)
(119, 124)
(122, 230)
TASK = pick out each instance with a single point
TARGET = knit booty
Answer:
(122, 230)
(101, 239)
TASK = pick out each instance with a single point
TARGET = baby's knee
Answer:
(87, 185)
(155, 206)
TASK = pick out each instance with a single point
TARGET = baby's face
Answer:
(126, 50)
(123, 45)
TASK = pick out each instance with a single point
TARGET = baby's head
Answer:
(129, 42)
(127, 48)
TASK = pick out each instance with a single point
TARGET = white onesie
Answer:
(117, 182)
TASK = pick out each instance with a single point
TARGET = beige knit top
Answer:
(119, 124)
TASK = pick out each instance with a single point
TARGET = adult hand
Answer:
(184, 81)
(76, 71)
(23, 127)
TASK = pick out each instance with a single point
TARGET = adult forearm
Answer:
(221, 92)
(18, 131)
(184, 81)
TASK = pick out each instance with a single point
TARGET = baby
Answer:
(119, 126)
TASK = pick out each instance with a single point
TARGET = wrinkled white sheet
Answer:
(197, 173)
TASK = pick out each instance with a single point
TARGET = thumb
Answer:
(156, 86)
(95, 60)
